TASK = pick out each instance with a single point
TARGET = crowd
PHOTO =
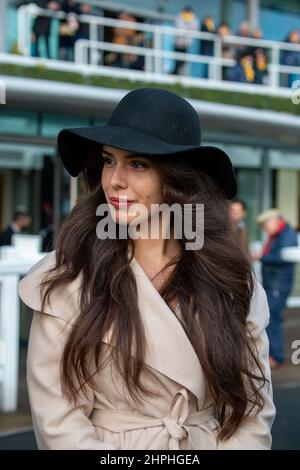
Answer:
(250, 62)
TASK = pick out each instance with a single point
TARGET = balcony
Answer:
(90, 68)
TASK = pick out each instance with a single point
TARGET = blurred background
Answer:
(68, 63)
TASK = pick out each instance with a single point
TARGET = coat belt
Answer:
(176, 422)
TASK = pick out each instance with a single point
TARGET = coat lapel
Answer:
(63, 302)
(170, 351)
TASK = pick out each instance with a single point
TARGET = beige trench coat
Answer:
(183, 416)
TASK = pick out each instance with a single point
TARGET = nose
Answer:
(118, 177)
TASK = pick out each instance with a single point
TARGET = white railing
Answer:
(10, 272)
(156, 57)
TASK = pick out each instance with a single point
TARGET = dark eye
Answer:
(105, 160)
(139, 164)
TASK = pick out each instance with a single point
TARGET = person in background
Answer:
(260, 59)
(83, 31)
(121, 36)
(189, 21)
(227, 50)
(207, 45)
(137, 62)
(68, 29)
(21, 220)
(257, 34)
(277, 276)
(238, 214)
(243, 71)
(42, 27)
(244, 29)
(291, 58)
(260, 67)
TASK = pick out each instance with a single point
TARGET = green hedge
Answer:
(227, 97)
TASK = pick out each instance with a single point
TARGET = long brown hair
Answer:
(214, 286)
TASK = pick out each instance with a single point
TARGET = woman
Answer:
(124, 354)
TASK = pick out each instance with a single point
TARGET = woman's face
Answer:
(133, 177)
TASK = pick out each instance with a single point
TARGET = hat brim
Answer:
(74, 143)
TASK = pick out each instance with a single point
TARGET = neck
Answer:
(162, 247)
(156, 251)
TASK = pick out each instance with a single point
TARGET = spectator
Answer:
(238, 213)
(67, 30)
(252, 64)
(227, 50)
(243, 71)
(243, 32)
(83, 31)
(223, 31)
(277, 276)
(260, 67)
(189, 21)
(42, 27)
(291, 58)
(21, 220)
(207, 45)
(257, 33)
(124, 37)
(137, 62)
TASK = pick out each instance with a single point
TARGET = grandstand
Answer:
(263, 146)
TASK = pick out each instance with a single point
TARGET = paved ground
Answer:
(18, 441)
(286, 429)
(286, 383)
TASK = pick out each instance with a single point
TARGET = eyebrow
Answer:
(126, 156)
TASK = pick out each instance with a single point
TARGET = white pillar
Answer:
(266, 181)
(253, 7)
(3, 8)
(287, 199)
(9, 325)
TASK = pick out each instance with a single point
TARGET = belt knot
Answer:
(176, 431)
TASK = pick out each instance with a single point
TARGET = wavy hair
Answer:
(213, 285)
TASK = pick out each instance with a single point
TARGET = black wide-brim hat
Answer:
(150, 121)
